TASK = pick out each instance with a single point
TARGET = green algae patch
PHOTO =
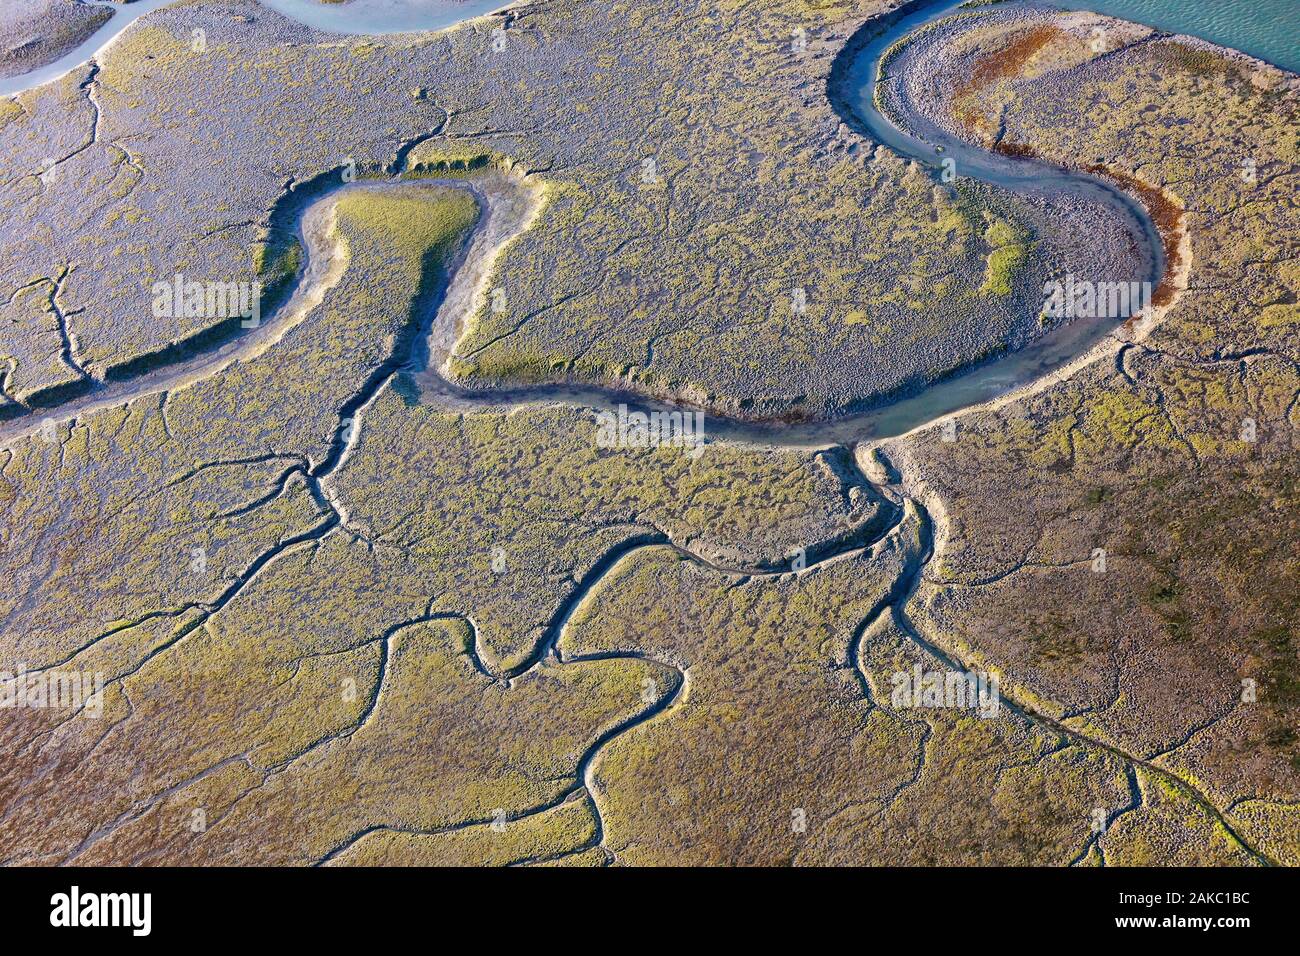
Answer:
(277, 264)
(1010, 251)
(413, 225)
(444, 159)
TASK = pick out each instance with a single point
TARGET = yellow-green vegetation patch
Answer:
(1009, 250)
(276, 266)
(10, 110)
(410, 223)
(1276, 825)
(1168, 829)
(437, 158)
(540, 837)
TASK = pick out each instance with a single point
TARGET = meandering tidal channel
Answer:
(852, 88)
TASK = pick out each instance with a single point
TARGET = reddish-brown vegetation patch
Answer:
(1000, 65)
(1011, 59)
(1165, 212)
(1167, 216)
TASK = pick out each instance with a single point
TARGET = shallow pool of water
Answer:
(384, 16)
(356, 17)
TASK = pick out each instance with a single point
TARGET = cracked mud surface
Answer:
(364, 588)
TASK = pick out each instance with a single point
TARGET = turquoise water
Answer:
(1268, 29)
